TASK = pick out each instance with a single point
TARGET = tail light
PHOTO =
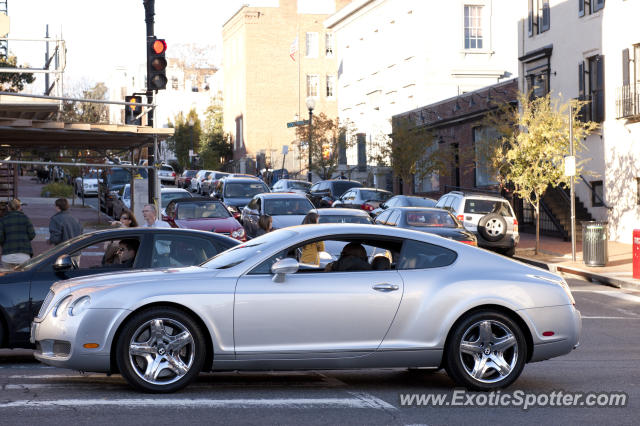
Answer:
(460, 217)
(471, 243)
(367, 207)
(515, 225)
(173, 174)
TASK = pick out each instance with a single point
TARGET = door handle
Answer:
(385, 287)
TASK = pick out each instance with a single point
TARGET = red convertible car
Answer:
(204, 214)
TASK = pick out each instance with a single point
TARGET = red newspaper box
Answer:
(636, 254)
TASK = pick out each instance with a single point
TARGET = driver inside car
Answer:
(352, 258)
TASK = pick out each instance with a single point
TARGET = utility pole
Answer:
(154, 187)
(572, 189)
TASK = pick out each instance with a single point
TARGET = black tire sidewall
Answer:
(453, 364)
(122, 349)
(483, 230)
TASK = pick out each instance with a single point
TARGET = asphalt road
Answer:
(607, 360)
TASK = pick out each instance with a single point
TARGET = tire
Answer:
(492, 227)
(467, 361)
(174, 362)
(509, 252)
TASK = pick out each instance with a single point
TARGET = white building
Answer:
(397, 55)
(589, 50)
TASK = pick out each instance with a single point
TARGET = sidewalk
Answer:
(555, 255)
(40, 210)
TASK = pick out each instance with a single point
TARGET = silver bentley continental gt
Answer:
(424, 301)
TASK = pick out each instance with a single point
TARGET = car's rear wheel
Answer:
(160, 350)
(492, 227)
(487, 350)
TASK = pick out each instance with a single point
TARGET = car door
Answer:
(313, 313)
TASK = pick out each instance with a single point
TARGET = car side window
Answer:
(421, 255)
(180, 250)
(108, 254)
(394, 218)
(382, 218)
(441, 202)
(314, 187)
(449, 204)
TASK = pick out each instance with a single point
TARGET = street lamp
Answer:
(311, 104)
(192, 153)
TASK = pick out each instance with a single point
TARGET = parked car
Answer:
(169, 194)
(367, 199)
(204, 214)
(23, 290)
(196, 181)
(166, 174)
(291, 185)
(285, 209)
(435, 303)
(122, 201)
(489, 217)
(424, 219)
(404, 201)
(323, 193)
(236, 193)
(112, 180)
(278, 174)
(87, 184)
(184, 180)
(207, 185)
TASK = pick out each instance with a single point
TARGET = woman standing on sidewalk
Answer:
(127, 220)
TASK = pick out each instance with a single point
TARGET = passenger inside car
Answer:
(381, 263)
(352, 258)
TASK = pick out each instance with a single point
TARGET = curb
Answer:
(593, 277)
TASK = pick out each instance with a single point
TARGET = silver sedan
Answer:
(431, 302)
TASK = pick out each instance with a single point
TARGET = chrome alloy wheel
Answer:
(161, 351)
(488, 351)
(494, 227)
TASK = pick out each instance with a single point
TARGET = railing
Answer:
(548, 223)
(627, 101)
(595, 194)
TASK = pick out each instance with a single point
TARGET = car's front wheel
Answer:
(160, 350)
(486, 351)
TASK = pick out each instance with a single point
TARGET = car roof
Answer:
(193, 199)
(472, 194)
(294, 180)
(435, 209)
(371, 189)
(280, 195)
(241, 179)
(173, 190)
(340, 211)
(143, 230)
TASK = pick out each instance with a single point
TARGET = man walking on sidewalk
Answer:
(150, 215)
(16, 233)
(63, 226)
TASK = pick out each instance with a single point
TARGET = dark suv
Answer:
(236, 193)
(113, 180)
(325, 192)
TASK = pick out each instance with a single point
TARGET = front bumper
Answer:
(59, 340)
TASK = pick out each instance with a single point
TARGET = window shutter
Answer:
(546, 18)
(530, 19)
(625, 67)
(581, 81)
(580, 7)
(599, 4)
(600, 84)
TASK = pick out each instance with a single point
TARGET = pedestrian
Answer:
(63, 226)
(16, 233)
(311, 252)
(150, 215)
(265, 225)
(4, 208)
(127, 220)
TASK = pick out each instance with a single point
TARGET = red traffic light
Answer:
(159, 46)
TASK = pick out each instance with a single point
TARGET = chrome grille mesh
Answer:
(45, 303)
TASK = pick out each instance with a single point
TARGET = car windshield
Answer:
(421, 202)
(244, 189)
(430, 218)
(167, 197)
(299, 185)
(477, 206)
(190, 173)
(375, 195)
(256, 247)
(287, 206)
(340, 188)
(202, 210)
(121, 176)
(334, 218)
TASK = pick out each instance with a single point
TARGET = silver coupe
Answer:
(428, 302)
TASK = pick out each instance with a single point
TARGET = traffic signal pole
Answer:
(154, 185)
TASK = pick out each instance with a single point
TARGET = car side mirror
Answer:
(283, 267)
(64, 263)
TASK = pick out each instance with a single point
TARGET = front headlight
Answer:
(60, 307)
(238, 233)
(79, 306)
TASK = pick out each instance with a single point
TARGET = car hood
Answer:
(284, 221)
(207, 224)
(237, 202)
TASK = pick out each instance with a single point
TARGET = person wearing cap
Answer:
(16, 233)
(63, 226)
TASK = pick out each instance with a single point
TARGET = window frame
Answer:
(595, 184)
(329, 45)
(312, 45)
(469, 29)
(310, 85)
(330, 86)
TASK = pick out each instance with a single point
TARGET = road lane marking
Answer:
(359, 401)
(611, 318)
(617, 294)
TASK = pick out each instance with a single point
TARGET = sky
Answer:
(102, 35)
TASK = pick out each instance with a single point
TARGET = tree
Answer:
(412, 153)
(328, 136)
(186, 136)
(13, 82)
(535, 141)
(87, 112)
(215, 145)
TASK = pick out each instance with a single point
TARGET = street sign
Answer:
(570, 165)
(285, 149)
(297, 123)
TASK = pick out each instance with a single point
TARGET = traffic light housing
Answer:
(133, 111)
(156, 64)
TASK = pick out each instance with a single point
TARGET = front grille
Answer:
(61, 347)
(45, 304)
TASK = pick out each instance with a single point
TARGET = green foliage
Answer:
(185, 137)
(86, 112)
(13, 82)
(57, 190)
(215, 146)
(327, 136)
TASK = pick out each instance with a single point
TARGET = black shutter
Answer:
(625, 67)
(362, 151)
(583, 115)
(580, 7)
(600, 89)
(530, 19)
(546, 17)
(599, 4)
(342, 148)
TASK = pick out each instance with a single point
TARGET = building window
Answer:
(328, 45)
(472, 27)
(312, 45)
(587, 7)
(539, 16)
(331, 86)
(312, 85)
(596, 193)
(538, 83)
(174, 83)
(591, 88)
(481, 142)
